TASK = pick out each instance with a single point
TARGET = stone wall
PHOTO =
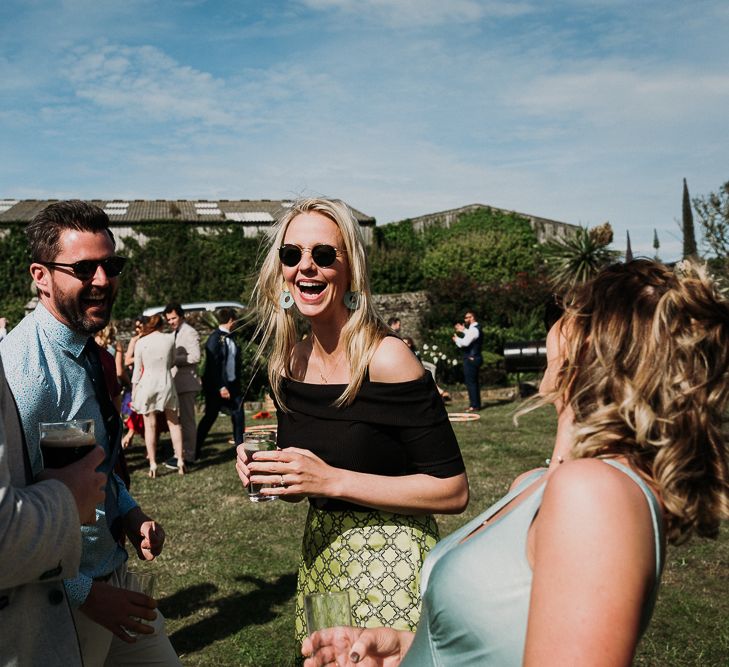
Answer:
(410, 307)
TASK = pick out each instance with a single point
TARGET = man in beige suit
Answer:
(40, 544)
(187, 383)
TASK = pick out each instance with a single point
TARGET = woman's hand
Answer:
(347, 647)
(297, 472)
(241, 466)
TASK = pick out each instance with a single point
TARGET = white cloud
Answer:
(143, 81)
(421, 13)
(144, 85)
(613, 93)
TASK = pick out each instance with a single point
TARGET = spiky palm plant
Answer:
(579, 257)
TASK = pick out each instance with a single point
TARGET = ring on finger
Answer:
(283, 481)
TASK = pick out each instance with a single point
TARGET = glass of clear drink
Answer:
(259, 441)
(63, 443)
(140, 582)
(327, 610)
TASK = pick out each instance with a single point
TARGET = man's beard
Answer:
(73, 309)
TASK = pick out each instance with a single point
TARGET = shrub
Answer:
(178, 263)
(14, 276)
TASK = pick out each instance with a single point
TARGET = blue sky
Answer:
(577, 110)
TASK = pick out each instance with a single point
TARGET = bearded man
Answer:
(54, 372)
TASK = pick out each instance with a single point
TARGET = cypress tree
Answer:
(628, 249)
(656, 242)
(689, 238)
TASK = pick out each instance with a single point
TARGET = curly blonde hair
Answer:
(277, 327)
(107, 336)
(646, 375)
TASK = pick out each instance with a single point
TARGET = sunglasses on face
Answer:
(323, 254)
(86, 268)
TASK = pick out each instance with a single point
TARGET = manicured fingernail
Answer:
(354, 657)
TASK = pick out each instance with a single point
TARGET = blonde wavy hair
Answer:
(107, 336)
(277, 327)
(646, 374)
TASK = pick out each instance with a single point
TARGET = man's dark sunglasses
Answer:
(86, 268)
(323, 255)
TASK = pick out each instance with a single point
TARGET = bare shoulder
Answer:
(393, 361)
(522, 477)
(592, 552)
(589, 492)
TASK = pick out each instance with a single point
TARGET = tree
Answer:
(713, 213)
(179, 263)
(628, 248)
(395, 259)
(14, 276)
(580, 257)
(656, 243)
(689, 238)
(491, 256)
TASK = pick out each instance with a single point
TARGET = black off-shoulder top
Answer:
(390, 429)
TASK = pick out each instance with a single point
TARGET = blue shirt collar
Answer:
(66, 337)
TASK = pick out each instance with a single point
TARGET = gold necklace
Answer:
(323, 368)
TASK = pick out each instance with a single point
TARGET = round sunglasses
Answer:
(323, 254)
(85, 269)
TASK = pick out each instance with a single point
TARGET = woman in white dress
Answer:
(153, 390)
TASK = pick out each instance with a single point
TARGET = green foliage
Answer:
(580, 257)
(713, 213)
(506, 311)
(689, 236)
(490, 245)
(179, 263)
(395, 259)
(14, 276)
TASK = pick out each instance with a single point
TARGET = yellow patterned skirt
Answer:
(376, 556)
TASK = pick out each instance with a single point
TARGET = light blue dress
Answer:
(476, 593)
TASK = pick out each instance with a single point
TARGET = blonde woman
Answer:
(361, 429)
(106, 340)
(153, 390)
(564, 570)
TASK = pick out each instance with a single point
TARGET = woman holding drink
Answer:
(362, 432)
(564, 570)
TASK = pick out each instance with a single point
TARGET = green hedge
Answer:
(179, 263)
(14, 275)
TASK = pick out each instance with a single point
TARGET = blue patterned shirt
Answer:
(43, 366)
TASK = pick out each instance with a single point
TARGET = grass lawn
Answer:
(228, 572)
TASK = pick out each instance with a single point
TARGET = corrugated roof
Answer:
(132, 211)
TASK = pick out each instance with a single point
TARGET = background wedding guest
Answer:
(132, 420)
(221, 380)
(394, 324)
(153, 390)
(362, 431)
(184, 373)
(565, 569)
(470, 341)
(106, 340)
